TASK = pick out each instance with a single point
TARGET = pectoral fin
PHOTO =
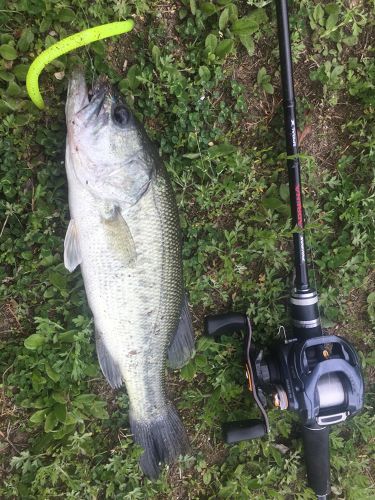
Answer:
(181, 348)
(119, 236)
(72, 252)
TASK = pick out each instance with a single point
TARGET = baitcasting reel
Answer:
(319, 377)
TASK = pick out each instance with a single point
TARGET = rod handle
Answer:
(243, 430)
(316, 450)
(220, 324)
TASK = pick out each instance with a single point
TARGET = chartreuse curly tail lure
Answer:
(67, 45)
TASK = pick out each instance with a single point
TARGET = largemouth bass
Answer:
(124, 233)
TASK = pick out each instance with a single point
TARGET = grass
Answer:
(204, 78)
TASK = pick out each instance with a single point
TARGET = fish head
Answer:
(108, 151)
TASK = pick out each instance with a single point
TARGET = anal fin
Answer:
(108, 365)
(181, 348)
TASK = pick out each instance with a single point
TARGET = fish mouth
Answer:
(103, 103)
(96, 102)
(97, 98)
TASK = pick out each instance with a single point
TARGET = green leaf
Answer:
(188, 372)
(284, 192)
(26, 39)
(182, 13)
(71, 418)
(221, 150)
(59, 397)
(259, 16)
(58, 280)
(84, 399)
(50, 422)
(66, 15)
(331, 21)
(233, 12)
(66, 336)
(34, 341)
(276, 456)
(156, 55)
(208, 8)
(191, 156)
(20, 71)
(193, 7)
(350, 40)
(132, 77)
(6, 38)
(332, 8)
(223, 19)
(49, 293)
(52, 374)
(211, 42)
(207, 477)
(13, 90)
(260, 76)
(327, 323)
(98, 47)
(318, 15)
(337, 71)
(223, 48)
(41, 444)
(272, 203)
(8, 52)
(248, 43)
(6, 76)
(268, 88)
(98, 410)
(204, 73)
(21, 120)
(38, 417)
(60, 412)
(245, 26)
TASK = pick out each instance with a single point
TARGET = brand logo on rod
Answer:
(294, 134)
(299, 206)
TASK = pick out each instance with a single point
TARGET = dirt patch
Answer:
(357, 329)
(13, 438)
(9, 321)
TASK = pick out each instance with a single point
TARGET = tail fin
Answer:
(163, 439)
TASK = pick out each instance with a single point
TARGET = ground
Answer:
(207, 88)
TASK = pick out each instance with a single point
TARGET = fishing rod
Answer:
(316, 375)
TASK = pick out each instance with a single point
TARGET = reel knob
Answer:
(243, 430)
(220, 324)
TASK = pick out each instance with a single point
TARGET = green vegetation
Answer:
(203, 77)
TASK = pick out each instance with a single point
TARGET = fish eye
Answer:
(120, 115)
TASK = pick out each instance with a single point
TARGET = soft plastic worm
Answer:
(66, 45)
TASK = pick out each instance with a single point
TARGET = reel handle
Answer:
(316, 451)
(216, 325)
(243, 430)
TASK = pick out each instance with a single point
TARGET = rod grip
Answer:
(221, 324)
(316, 450)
